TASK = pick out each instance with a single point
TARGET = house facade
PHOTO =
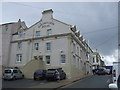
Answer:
(6, 32)
(49, 43)
(97, 60)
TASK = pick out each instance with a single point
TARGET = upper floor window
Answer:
(36, 46)
(18, 57)
(63, 59)
(74, 48)
(20, 34)
(49, 32)
(19, 45)
(48, 46)
(37, 34)
(93, 59)
(78, 51)
(97, 59)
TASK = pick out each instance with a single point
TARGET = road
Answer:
(22, 83)
(89, 82)
(96, 81)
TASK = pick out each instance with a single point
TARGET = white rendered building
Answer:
(49, 43)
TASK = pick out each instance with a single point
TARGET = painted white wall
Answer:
(6, 31)
(60, 45)
(0, 45)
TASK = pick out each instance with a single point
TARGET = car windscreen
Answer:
(15, 71)
(51, 69)
(7, 71)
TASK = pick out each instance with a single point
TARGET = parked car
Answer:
(115, 85)
(100, 72)
(116, 71)
(115, 76)
(12, 74)
(50, 75)
(39, 74)
(118, 82)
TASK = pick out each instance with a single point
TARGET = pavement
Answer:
(60, 84)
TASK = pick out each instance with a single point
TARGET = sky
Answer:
(97, 21)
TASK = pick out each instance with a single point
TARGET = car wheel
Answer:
(4, 79)
(14, 78)
(22, 76)
(65, 77)
(34, 78)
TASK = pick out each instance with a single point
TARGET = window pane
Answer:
(19, 57)
(78, 51)
(37, 33)
(47, 59)
(74, 48)
(48, 46)
(20, 34)
(62, 58)
(19, 45)
(49, 32)
(36, 46)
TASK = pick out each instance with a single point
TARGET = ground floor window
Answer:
(18, 57)
(47, 59)
(63, 59)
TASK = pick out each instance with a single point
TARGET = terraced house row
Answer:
(49, 43)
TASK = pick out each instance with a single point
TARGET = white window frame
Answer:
(18, 57)
(36, 45)
(48, 59)
(63, 60)
(37, 34)
(49, 32)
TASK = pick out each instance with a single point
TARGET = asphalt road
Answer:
(21, 83)
(96, 81)
(89, 82)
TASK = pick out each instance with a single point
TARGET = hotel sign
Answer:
(45, 24)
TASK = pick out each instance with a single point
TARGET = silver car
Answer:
(12, 74)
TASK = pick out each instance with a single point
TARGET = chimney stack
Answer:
(47, 14)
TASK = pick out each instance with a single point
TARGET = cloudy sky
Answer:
(97, 21)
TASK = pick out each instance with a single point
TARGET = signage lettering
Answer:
(45, 24)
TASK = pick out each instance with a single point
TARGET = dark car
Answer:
(118, 82)
(100, 72)
(50, 74)
(39, 74)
